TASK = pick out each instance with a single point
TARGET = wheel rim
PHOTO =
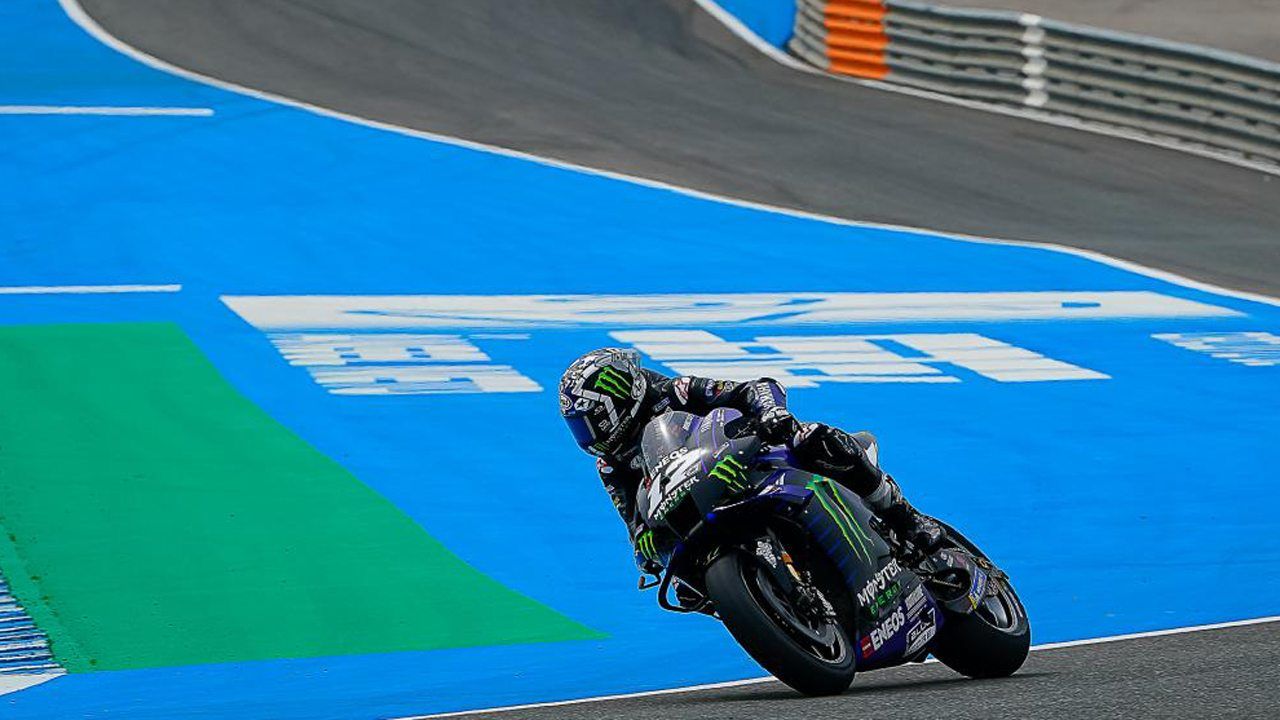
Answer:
(820, 638)
(1002, 610)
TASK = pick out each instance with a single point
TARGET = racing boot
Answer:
(910, 524)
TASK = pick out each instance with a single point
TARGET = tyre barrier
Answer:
(1217, 99)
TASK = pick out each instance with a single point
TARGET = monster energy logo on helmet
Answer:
(613, 382)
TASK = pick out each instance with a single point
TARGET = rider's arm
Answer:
(621, 484)
(763, 400)
(753, 398)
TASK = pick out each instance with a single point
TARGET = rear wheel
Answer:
(993, 640)
(813, 655)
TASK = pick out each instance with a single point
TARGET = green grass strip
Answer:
(153, 516)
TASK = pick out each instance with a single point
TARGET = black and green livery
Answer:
(797, 569)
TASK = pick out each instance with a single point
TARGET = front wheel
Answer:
(812, 655)
(994, 639)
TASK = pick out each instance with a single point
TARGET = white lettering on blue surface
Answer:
(366, 345)
(405, 312)
(805, 361)
(399, 364)
(1255, 349)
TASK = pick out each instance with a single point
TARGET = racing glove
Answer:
(777, 426)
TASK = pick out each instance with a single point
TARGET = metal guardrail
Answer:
(1193, 94)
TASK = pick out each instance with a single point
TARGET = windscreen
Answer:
(665, 435)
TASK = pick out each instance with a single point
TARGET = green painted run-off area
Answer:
(153, 516)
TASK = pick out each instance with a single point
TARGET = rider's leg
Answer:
(852, 461)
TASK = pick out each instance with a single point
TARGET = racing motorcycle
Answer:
(806, 579)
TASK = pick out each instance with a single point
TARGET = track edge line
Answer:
(758, 680)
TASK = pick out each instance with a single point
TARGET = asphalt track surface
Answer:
(661, 90)
(1228, 673)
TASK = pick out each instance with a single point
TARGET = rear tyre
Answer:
(993, 640)
(814, 657)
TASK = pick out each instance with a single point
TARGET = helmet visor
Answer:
(581, 430)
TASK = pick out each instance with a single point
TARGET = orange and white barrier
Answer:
(1196, 95)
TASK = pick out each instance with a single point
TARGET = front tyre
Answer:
(814, 656)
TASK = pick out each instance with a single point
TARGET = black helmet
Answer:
(600, 397)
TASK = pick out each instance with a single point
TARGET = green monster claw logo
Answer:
(731, 472)
(829, 498)
(646, 545)
(613, 382)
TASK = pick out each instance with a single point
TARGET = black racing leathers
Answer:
(816, 447)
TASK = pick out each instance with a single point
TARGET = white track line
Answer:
(1159, 633)
(737, 27)
(88, 24)
(104, 110)
(14, 683)
(759, 680)
(602, 698)
(86, 289)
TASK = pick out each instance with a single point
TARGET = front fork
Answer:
(770, 555)
(795, 584)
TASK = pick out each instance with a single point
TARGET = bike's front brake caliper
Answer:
(795, 584)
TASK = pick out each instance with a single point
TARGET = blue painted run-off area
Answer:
(1133, 502)
(772, 20)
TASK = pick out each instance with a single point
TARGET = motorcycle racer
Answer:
(607, 398)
